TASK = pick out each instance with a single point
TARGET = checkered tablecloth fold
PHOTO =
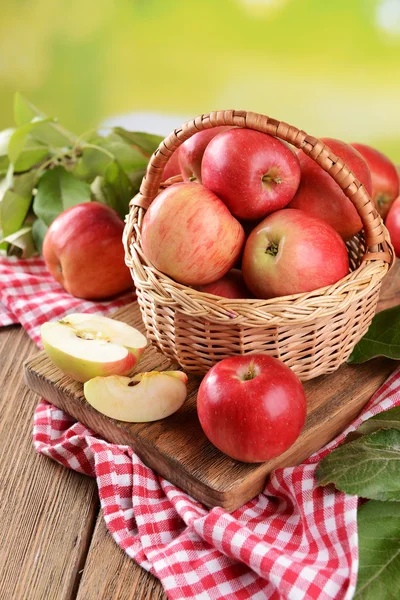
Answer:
(295, 541)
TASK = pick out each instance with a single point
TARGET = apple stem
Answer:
(272, 249)
(271, 179)
(193, 178)
(251, 373)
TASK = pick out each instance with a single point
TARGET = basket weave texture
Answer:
(313, 333)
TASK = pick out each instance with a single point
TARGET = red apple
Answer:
(230, 285)
(191, 152)
(322, 197)
(393, 225)
(190, 235)
(291, 252)
(172, 167)
(251, 407)
(385, 179)
(83, 251)
(252, 172)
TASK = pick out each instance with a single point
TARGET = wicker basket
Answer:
(313, 333)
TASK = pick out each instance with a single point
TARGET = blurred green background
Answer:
(331, 68)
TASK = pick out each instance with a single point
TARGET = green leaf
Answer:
(19, 138)
(379, 551)
(25, 111)
(129, 157)
(5, 136)
(146, 142)
(32, 154)
(50, 132)
(117, 189)
(92, 162)
(21, 243)
(57, 191)
(389, 419)
(368, 467)
(381, 339)
(15, 203)
(39, 230)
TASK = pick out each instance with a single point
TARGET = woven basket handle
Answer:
(313, 147)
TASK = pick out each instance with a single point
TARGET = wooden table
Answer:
(53, 541)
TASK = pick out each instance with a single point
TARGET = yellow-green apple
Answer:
(172, 167)
(84, 346)
(291, 252)
(393, 225)
(251, 407)
(190, 235)
(230, 285)
(192, 150)
(144, 397)
(252, 172)
(320, 196)
(385, 179)
(83, 251)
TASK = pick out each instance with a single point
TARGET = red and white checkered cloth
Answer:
(294, 541)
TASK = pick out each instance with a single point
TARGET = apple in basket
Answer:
(393, 225)
(142, 398)
(251, 407)
(385, 179)
(230, 285)
(291, 252)
(84, 346)
(252, 172)
(192, 150)
(83, 251)
(322, 197)
(190, 235)
(172, 167)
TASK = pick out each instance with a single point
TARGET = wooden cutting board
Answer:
(177, 448)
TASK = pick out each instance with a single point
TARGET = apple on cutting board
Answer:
(84, 346)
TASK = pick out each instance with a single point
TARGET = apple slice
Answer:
(140, 399)
(84, 346)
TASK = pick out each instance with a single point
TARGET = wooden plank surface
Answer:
(177, 448)
(118, 577)
(47, 513)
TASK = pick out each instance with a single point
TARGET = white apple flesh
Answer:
(84, 346)
(142, 398)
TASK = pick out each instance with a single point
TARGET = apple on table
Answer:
(251, 407)
(83, 251)
(84, 346)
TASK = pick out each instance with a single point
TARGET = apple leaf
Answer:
(57, 191)
(18, 139)
(21, 243)
(15, 202)
(379, 551)
(381, 339)
(368, 467)
(147, 143)
(389, 419)
(25, 111)
(92, 163)
(117, 190)
(32, 154)
(39, 230)
(128, 156)
(49, 132)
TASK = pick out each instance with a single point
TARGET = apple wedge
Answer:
(84, 346)
(139, 399)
